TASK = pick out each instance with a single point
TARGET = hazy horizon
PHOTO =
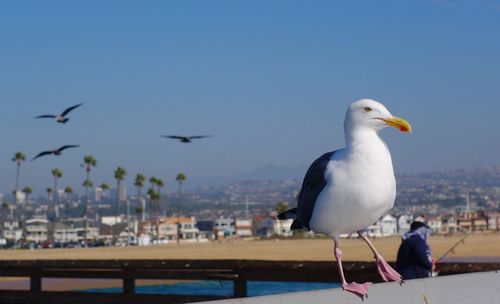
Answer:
(270, 80)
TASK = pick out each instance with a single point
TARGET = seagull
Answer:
(61, 118)
(55, 152)
(347, 190)
(186, 139)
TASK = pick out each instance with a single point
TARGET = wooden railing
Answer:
(128, 271)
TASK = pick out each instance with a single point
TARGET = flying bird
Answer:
(186, 139)
(55, 152)
(61, 118)
(349, 189)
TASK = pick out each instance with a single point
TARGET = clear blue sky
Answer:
(270, 79)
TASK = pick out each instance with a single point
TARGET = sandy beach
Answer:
(300, 249)
(485, 245)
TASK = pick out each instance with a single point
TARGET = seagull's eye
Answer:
(368, 109)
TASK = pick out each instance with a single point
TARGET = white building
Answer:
(188, 230)
(20, 197)
(436, 224)
(224, 227)
(282, 227)
(12, 231)
(243, 227)
(389, 225)
(494, 221)
(65, 234)
(36, 230)
(404, 223)
(385, 226)
(111, 220)
(73, 230)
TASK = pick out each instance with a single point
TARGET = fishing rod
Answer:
(452, 249)
(435, 273)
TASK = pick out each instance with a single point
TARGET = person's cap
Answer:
(415, 225)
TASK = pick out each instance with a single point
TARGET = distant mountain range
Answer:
(486, 175)
(267, 172)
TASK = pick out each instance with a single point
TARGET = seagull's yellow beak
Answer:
(398, 123)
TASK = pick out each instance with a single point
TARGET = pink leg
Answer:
(384, 269)
(358, 289)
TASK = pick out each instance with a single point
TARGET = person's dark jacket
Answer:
(413, 261)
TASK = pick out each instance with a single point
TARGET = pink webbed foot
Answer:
(387, 272)
(358, 289)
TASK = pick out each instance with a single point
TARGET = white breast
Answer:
(360, 189)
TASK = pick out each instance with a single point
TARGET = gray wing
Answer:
(313, 184)
(46, 116)
(42, 154)
(199, 136)
(67, 147)
(70, 109)
(174, 136)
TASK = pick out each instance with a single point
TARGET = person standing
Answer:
(414, 255)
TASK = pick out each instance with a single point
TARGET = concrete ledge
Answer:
(475, 288)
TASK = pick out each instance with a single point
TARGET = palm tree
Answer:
(90, 163)
(282, 207)
(87, 184)
(139, 183)
(180, 178)
(18, 158)
(154, 198)
(57, 174)
(49, 192)
(105, 188)
(27, 191)
(139, 212)
(120, 174)
(152, 181)
(68, 191)
(159, 184)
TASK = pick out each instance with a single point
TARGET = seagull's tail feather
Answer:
(289, 214)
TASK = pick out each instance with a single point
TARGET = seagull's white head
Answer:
(369, 114)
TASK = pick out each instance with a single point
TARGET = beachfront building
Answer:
(167, 230)
(243, 227)
(449, 224)
(472, 221)
(111, 233)
(494, 221)
(73, 230)
(36, 230)
(206, 228)
(111, 220)
(385, 226)
(282, 227)
(435, 223)
(64, 234)
(264, 226)
(12, 232)
(188, 231)
(388, 225)
(223, 228)
(404, 222)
